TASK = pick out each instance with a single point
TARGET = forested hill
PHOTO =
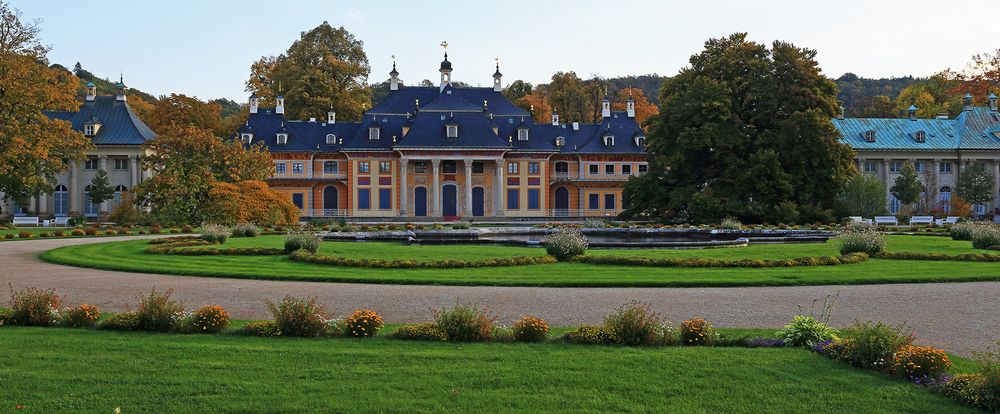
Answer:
(858, 95)
(105, 86)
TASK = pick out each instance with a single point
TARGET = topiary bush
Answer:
(427, 331)
(593, 335)
(246, 230)
(128, 321)
(698, 332)
(307, 241)
(530, 329)
(262, 328)
(635, 324)
(465, 323)
(209, 319)
(299, 317)
(861, 239)
(157, 312)
(214, 233)
(872, 345)
(923, 364)
(82, 316)
(806, 331)
(566, 244)
(363, 323)
(34, 307)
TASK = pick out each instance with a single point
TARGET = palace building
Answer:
(938, 148)
(118, 136)
(449, 152)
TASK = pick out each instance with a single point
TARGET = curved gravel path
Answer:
(960, 317)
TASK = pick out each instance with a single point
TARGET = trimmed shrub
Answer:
(465, 323)
(967, 389)
(43, 234)
(635, 324)
(590, 334)
(961, 230)
(363, 323)
(90, 231)
(985, 236)
(806, 331)
(154, 229)
(214, 233)
(461, 225)
(34, 307)
(157, 312)
(872, 345)
(850, 258)
(299, 316)
(697, 332)
(78, 232)
(594, 223)
(861, 239)
(531, 329)
(59, 233)
(921, 363)
(246, 230)
(307, 241)
(24, 234)
(127, 321)
(964, 257)
(263, 328)
(8, 236)
(209, 319)
(565, 244)
(81, 316)
(427, 331)
(109, 232)
(187, 228)
(730, 223)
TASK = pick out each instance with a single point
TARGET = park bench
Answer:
(947, 221)
(25, 221)
(61, 221)
(921, 220)
(886, 221)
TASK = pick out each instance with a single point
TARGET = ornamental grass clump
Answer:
(962, 230)
(299, 240)
(566, 244)
(465, 323)
(985, 235)
(157, 312)
(730, 223)
(83, 316)
(299, 317)
(635, 324)
(427, 331)
(806, 331)
(861, 239)
(246, 230)
(34, 307)
(531, 329)
(923, 364)
(872, 345)
(209, 319)
(363, 323)
(214, 233)
(594, 223)
(698, 332)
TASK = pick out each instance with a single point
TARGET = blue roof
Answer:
(975, 128)
(119, 125)
(302, 135)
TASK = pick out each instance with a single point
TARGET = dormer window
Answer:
(522, 134)
(640, 141)
(920, 136)
(609, 140)
(452, 131)
(870, 135)
(246, 138)
(560, 142)
(331, 139)
(282, 139)
(373, 134)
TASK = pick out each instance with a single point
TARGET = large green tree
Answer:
(864, 195)
(931, 97)
(975, 184)
(100, 189)
(568, 97)
(906, 188)
(325, 68)
(744, 129)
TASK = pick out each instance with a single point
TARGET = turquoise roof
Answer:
(975, 129)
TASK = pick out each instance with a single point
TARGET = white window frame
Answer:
(331, 139)
(420, 167)
(333, 170)
(282, 139)
(88, 130)
(298, 168)
(246, 138)
(451, 131)
(280, 168)
(373, 134)
(609, 140)
(522, 134)
(513, 167)
(91, 164)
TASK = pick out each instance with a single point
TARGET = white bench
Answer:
(61, 221)
(947, 220)
(25, 221)
(886, 221)
(921, 220)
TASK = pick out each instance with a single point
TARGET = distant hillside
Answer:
(105, 86)
(857, 94)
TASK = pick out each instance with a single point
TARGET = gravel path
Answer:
(960, 317)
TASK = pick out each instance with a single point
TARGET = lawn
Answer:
(55, 370)
(130, 256)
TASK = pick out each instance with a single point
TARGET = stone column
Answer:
(404, 187)
(996, 182)
(885, 180)
(468, 186)
(43, 203)
(499, 188)
(436, 189)
(133, 171)
(75, 196)
(102, 161)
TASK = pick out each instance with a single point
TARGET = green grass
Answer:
(55, 370)
(68, 233)
(130, 256)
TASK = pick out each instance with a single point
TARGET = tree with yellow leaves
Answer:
(643, 108)
(249, 201)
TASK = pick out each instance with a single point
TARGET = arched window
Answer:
(282, 139)
(60, 200)
(640, 141)
(329, 167)
(609, 140)
(90, 208)
(870, 135)
(452, 131)
(373, 134)
(246, 138)
(331, 139)
(522, 134)
(944, 198)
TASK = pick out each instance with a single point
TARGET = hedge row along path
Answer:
(961, 317)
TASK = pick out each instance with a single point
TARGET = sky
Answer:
(204, 48)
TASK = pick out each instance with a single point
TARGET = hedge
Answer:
(306, 257)
(172, 245)
(850, 258)
(964, 257)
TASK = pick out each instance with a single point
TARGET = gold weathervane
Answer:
(444, 44)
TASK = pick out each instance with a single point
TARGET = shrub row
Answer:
(306, 257)
(849, 258)
(964, 257)
(228, 251)
(165, 248)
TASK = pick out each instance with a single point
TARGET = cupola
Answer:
(91, 91)
(393, 77)
(606, 106)
(331, 116)
(912, 112)
(254, 103)
(967, 102)
(120, 87)
(993, 101)
(497, 86)
(445, 72)
(279, 104)
(630, 105)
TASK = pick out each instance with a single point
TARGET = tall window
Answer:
(60, 200)
(384, 199)
(364, 199)
(297, 199)
(121, 164)
(893, 204)
(944, 198)
(593, 201)
(331, 139)
(384, 167)
(363, 167)
(119, 191)
(297, 168)
(420, 167)
(533, 168)
(513, 199)
(512, 167)
(609, 201)
(329, 167)
(945, 167)
(593, 168)
(90, 208)
(533, 196)
(91, 164)
(609, 169)
(279, 168)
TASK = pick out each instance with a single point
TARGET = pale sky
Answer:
(204, 48)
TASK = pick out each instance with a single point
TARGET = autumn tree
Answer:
(980, 77)
(177, 111)
(537, 104)
(643, 108)
(881, 107)
(187, 161)
(567, 96)
(517, 90)
(326, 68)
(931, 97)
(33, 147)
(249, 201)
(975, 184)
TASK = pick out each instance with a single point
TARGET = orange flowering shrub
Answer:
(249, 202)
(920, 362)
(81, 316)
(531, 329)
(697, 332)
(210, 319)
(363, 323)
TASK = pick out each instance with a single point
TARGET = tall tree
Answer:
(931, 97)
(864, 195)
(33, 147)
(325, 68)
(980, 77)
(176, 111)
(906, 188)
(643, 108)
(975, 184)
(567, 96)
(517, 90)
(748, 128)
(881, 106)
(100, 188)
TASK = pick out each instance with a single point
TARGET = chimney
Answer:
(254, 103)
(576, 126)
(91, 91)
(394, 77)
(993, 101)
(630, 105)
(555, 118)
(312, 120)
(279, 105)
(967, 102)
(331, 117)
(497, 86)
(912, 112)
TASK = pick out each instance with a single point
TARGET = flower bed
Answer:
(849, 258)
